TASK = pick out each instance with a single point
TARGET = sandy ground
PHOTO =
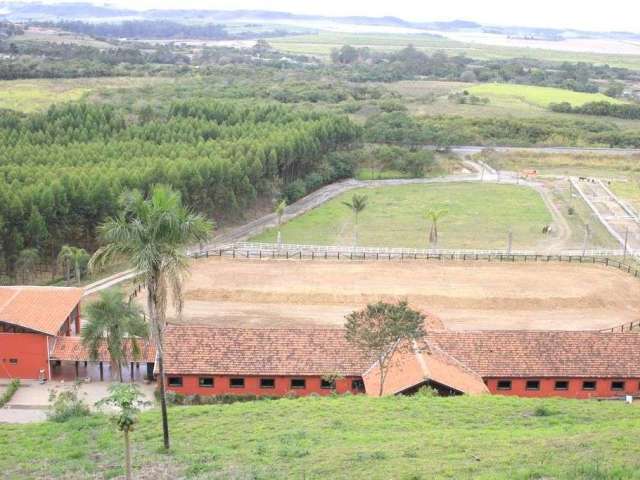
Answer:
(470, 295)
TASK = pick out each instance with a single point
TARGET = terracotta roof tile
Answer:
(43, 309)
(71, 349)
(543, 353)
(190, 349)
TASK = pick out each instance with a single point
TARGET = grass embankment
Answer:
(479, 216)
(345, 437)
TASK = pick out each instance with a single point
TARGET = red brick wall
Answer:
(603, 387)
(30, 349)
(190, 386)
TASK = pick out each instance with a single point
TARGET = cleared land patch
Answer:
(464, 295)
(479, 216)
(39, 94)
(539, 96)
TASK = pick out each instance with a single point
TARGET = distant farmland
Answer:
(539, 96)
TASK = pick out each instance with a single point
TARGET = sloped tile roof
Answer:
(418, 362)
(191, 349)
(71, 349)
(42, 309)
(543, 353)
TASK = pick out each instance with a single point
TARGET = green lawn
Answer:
(345, 438)
(479, 216)
(539, 96)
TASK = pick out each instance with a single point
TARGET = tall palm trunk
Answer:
(156, 327)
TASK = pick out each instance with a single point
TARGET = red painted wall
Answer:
(603, 387)
(30, 349)
(190, 386)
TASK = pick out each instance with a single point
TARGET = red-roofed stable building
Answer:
(30, 320)
(261, 361)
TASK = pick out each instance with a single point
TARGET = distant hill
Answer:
(36, 11)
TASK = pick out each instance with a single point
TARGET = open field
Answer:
(479, 216)
(573, 164)
(55, 35)
(352, 437)
(322, 43)
(464, 295)
(39, 94)
(628, 191)
(540, 96)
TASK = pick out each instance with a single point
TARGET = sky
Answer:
(578, 14)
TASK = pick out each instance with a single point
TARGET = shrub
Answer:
(294, 191)
(542, 411)
(426, 391)
(67, 404)
(9, 392)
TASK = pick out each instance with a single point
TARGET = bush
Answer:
(67, 404)
(542, 411)
(174, 398)
(9, 392)
(294, 191)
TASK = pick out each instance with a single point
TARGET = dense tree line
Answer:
(365, 64)
(629, 111)
(400, 128)
(62, 171)
(163, 29)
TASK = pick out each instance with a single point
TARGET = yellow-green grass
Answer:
(628, 191)
(479, 216)
(576, 164)
(35, 95)
(539, 96)
(353, 437)
(322, 43)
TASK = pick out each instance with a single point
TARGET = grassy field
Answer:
(34, 95)
(539, 96)
(589, 164)
(345, 437)
(321, 44)
(628, 191)
(479, 216)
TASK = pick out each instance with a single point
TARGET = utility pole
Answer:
(509, 241)
(626, 239)
(482, 172)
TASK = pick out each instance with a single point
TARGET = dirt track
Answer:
(470, 295)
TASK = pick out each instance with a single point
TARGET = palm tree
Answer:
(152, 235)
(72, 257)
(279, 211)
(26, 263)
(435, 215)
(113, 322)
(357, 205)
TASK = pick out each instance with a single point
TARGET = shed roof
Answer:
(41, 309)
(71, 349)
(191, 349)
(507, 353)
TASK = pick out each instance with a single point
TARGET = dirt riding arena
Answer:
(464, 295)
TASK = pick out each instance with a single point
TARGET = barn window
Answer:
(357, 385)
(533, 385)
(267, 383)
(206, 382)
(175, 381)
(13, 361)
(561, 385)
(327, 384)
(236, 382)
(298, 383)
(617, 385)
(504, 384)
(589, 385)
